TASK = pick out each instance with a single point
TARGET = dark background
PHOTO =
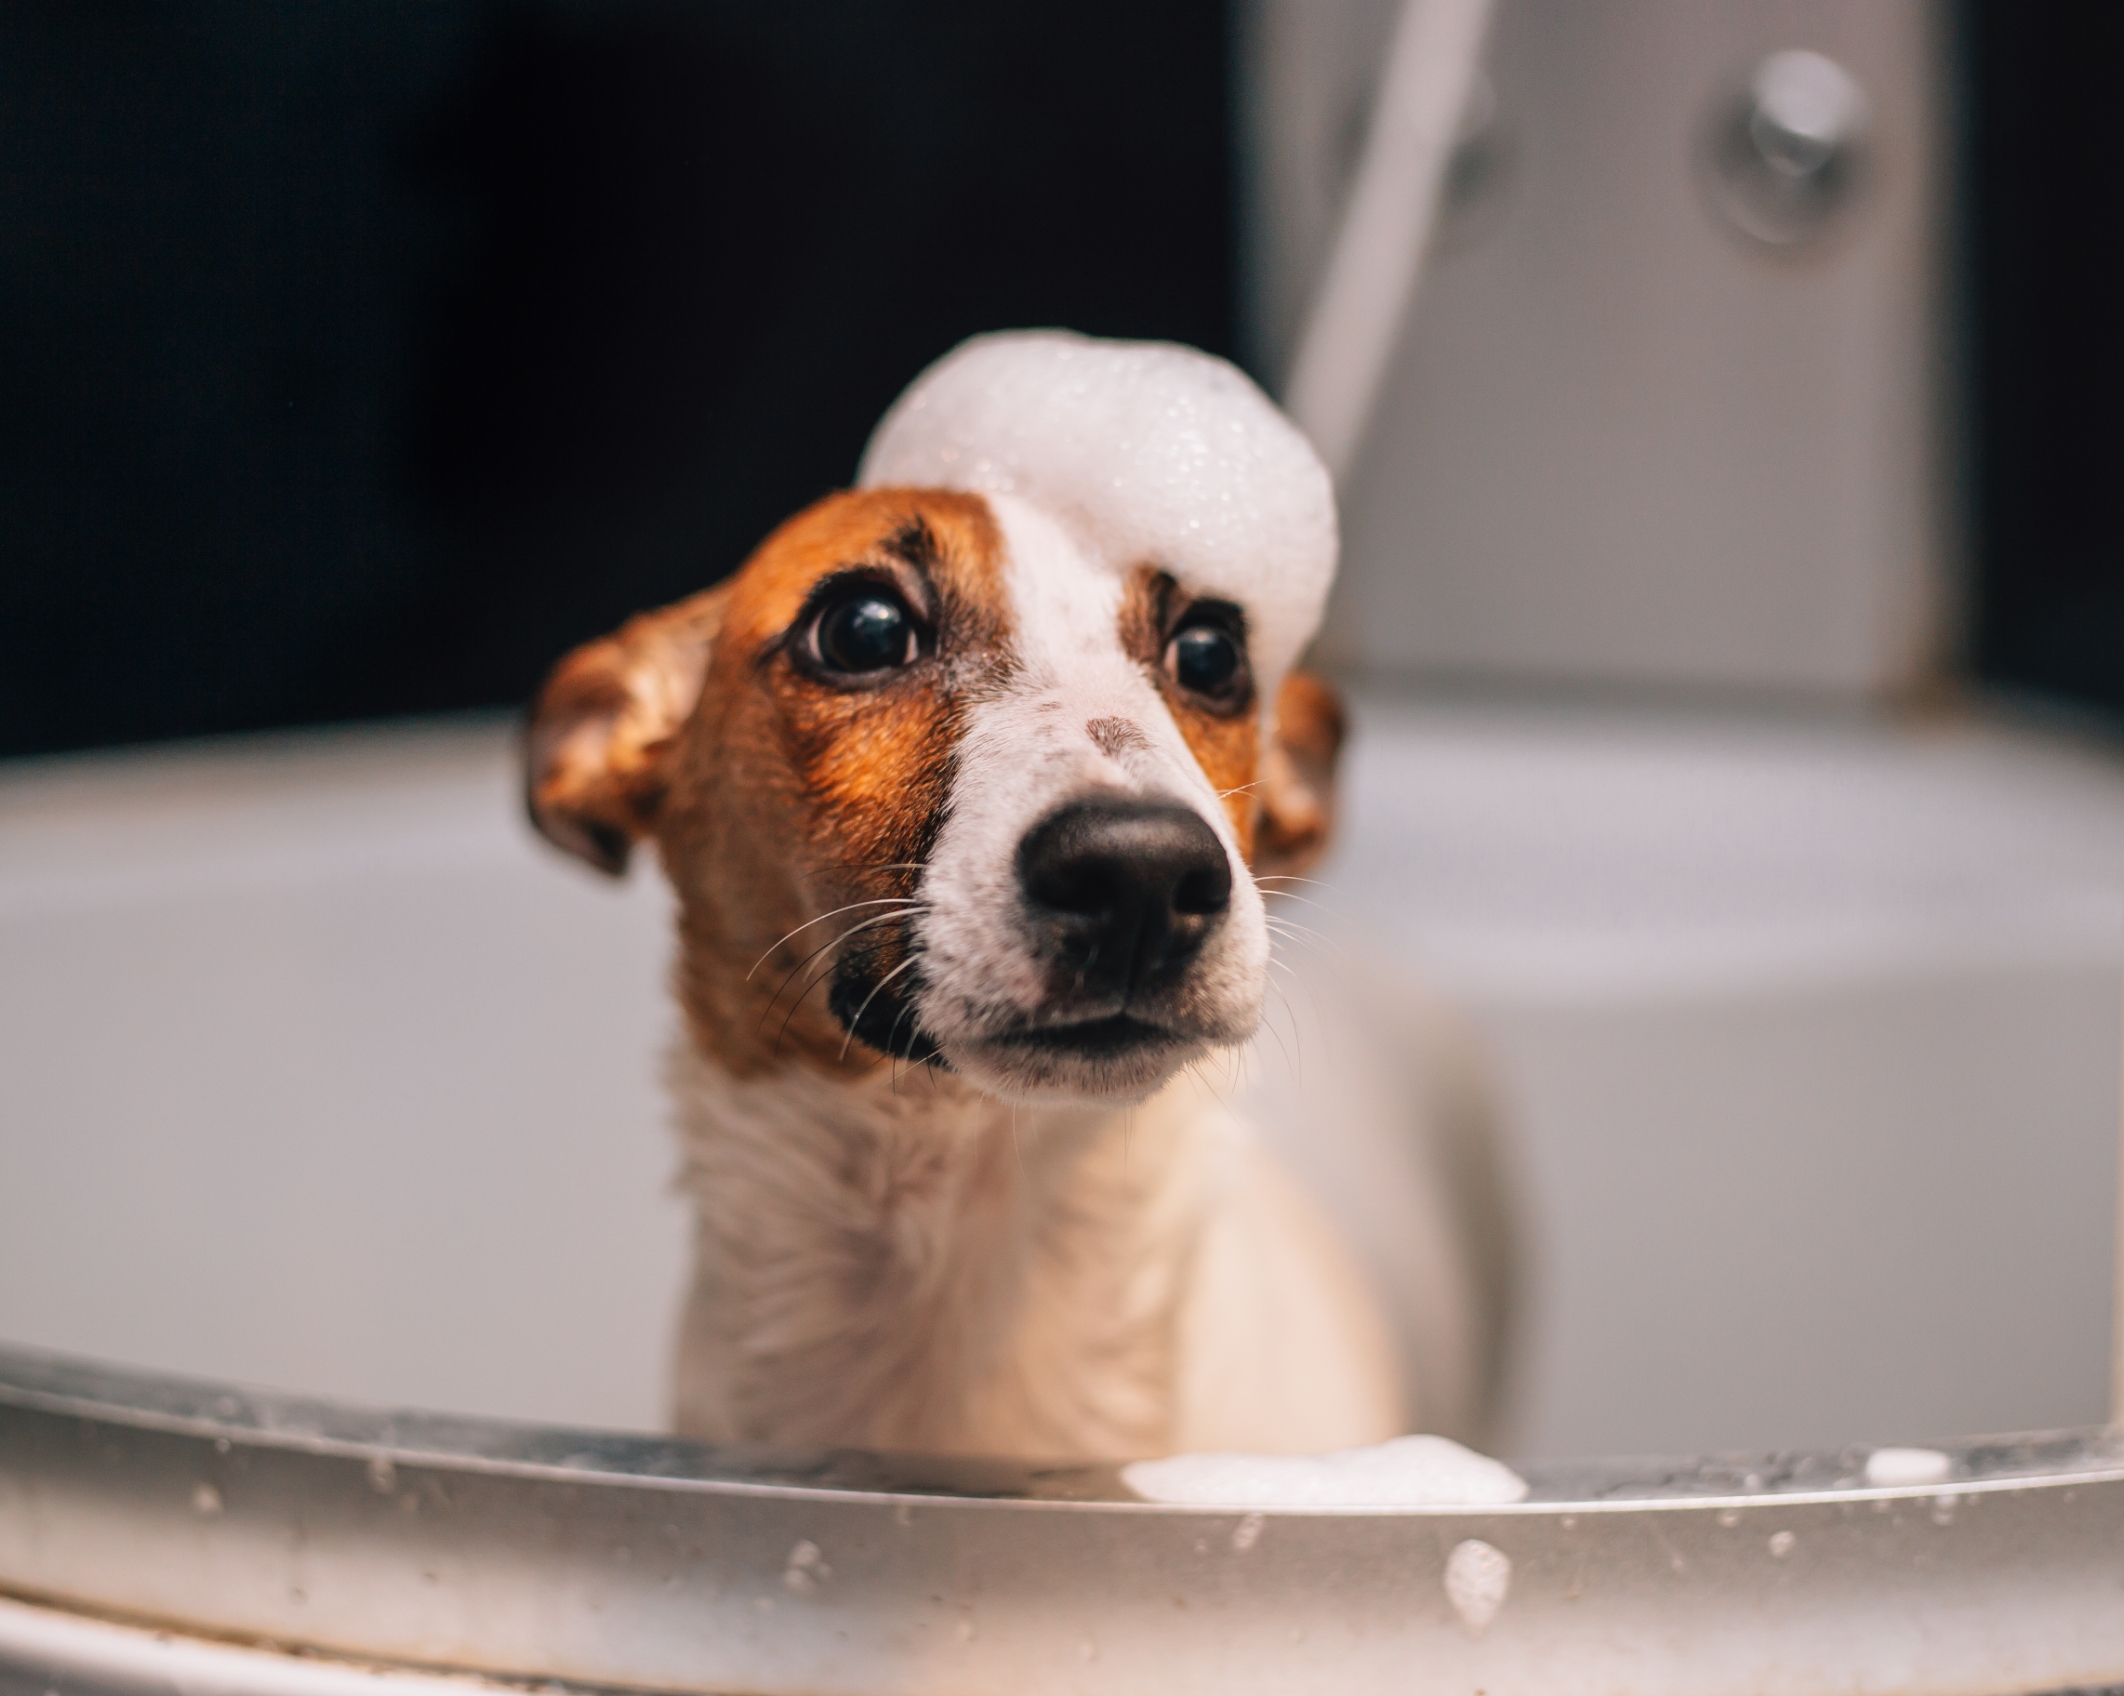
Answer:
(2046, 261)
(359, 359)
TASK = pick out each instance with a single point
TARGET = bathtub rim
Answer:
(532, 1552)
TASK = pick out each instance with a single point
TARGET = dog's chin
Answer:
(1112, 1059)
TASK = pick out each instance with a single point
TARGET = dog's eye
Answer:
(868, 630)
(1208, 659)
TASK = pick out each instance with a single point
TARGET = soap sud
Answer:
(1151, 453)
(1781, 1543)
(1887, 1468)
(1246, 1533)
(1408, 1472)
(806, 1570)
(1477, 1579)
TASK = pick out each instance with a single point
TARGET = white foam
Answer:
(1887, 1468)
(1151, 453)
(1478, 1577)
(1409, 1472)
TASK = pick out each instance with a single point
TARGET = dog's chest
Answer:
(926, 1268)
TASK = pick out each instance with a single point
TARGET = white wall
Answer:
(1622, 443)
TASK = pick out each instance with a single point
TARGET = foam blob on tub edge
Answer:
(1903, 1468)
(1408, 1472)
(1152, 453)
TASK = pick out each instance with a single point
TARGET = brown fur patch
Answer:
(776, 796)
(1297, 787)
(1225, 745)
(599, 731)
(1115, 736)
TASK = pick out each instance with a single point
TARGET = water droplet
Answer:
(221, 1445)
(1781, 1543)
(966, 1631)
(903, 1513)
(807, 1569)
(1247, 1533)
(1477, 1578)
(1087, 1651)
(1728, 1518)
(206, 1500)
(383, 1476)
(1943, 1506)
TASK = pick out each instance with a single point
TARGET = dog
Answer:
(970, 784)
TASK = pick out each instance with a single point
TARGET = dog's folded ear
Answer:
(599, 737)
(1298, 777)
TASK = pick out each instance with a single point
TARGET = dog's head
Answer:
(978, 762)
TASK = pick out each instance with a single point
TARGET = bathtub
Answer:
(321, 1073)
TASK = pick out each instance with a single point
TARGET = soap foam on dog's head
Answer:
(1154, 454)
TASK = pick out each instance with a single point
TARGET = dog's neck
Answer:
(901, 1262)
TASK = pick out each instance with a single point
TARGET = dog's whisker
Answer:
(867, 924)
(1286, 895)
(1278, 1035)
(876, 990)
(892, 1037)
(817, 978)
(1290, 877)
(882, 901)
(1305, 936)
(1297, 1032)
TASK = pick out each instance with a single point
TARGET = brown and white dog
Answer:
(968, 784)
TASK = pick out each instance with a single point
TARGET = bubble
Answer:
(1477, 1578)
(806, 1569)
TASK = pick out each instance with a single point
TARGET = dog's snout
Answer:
(1127, 890)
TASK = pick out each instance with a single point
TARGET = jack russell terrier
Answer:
(969, 785)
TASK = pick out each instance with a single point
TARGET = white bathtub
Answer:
(317, 1070)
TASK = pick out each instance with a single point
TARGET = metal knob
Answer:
(1787, 151)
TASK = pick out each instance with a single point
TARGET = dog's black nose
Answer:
(1124, 891)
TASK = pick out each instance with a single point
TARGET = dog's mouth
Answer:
(1110, 1057)
(1109, 1038)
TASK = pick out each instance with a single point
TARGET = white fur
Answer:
(909, 1263)
(1027, 751)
